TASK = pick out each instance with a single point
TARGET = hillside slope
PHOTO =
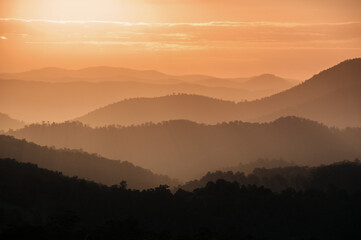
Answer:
(331, 97)
(40, 204)
(7, 123)
(81, 164)
(140, 110)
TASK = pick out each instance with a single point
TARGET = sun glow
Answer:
(79, 9)
(224, 38)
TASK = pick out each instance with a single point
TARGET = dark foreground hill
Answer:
(81, 164)
(187, 150)
(40, 204)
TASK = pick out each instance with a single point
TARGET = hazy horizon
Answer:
(232, 39)
(156, 70)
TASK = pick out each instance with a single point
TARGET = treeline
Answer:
(37, 203)
(188, 150)
(84, 165)
(341, 175)
(259, 163)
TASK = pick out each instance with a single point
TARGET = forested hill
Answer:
(40, 204)
(81, 164)
(137, 111)
(187, 150)
(341, 175)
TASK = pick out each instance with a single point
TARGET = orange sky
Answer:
(291, 38)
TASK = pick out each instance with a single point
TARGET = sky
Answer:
(226, 38)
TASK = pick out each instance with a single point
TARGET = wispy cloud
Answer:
(155, 46)
(211, 23)
(186, 36)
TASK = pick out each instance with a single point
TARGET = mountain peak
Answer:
(346, 72)
(267, 81)
(266, 75)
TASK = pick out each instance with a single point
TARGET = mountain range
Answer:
(116, 74)
(54, 94)
(332, 97)
(186, 135)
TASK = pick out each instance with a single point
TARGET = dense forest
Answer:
(41, 204)
(280, 178)
(187, 150)
(259, 163)
(81, 164)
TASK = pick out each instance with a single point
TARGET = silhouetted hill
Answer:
(40, 204)
(340, 108)
(173, 107)
(187, 150)
(267, 82)
(38, 101)
(7, 123)
(81, 164)
(261, 82)
(332, 97)
(248, 167)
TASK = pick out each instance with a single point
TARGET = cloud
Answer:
(155, 46)
(192, 36)
(200, 24)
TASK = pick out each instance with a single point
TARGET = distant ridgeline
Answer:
(41, 204)
(39, 94)
(332, 97)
